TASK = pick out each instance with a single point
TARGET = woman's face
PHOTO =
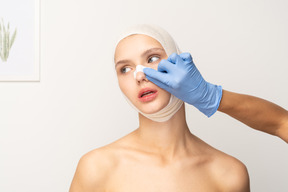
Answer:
(140, 50)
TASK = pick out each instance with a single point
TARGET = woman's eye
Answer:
(152, 59)
(125, 69)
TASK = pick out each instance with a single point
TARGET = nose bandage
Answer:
(139, 68)
(170, 47)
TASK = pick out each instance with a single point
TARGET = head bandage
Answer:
(167, 42)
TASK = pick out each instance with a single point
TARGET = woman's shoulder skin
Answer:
(95, 167)
(93, 170)
(230, 173)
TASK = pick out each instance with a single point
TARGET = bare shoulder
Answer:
(95, 167)
(228, 173)
(93, 170)
(231, 173)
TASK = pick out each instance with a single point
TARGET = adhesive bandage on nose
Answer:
(139, 68)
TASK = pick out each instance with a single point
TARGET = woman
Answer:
(161, 154)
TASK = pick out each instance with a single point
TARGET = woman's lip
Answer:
(148, 97)
(147, 89)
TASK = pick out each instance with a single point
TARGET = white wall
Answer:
(46, 126)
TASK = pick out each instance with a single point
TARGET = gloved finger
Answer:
(186, 56)
(158, 83)
(165, 66)
(152, 73)
(175, 59)
(172, 58)
(178, 60)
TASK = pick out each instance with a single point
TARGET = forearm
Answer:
(256, 113)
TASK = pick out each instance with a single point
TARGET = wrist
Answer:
(226, 103)
(210, 100)
(216, 100)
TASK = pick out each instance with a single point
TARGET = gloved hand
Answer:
(179, 76)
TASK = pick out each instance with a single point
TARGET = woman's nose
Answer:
(139, 75)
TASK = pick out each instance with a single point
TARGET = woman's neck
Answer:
(168, 138)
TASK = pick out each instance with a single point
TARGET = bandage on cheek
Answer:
(139, 68)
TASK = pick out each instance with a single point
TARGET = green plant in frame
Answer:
(5, 41)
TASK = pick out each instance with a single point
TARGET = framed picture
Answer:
(19, 40)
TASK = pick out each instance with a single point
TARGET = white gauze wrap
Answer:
(169, 45)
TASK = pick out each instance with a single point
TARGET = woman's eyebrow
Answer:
(121, 62)
(147, 52)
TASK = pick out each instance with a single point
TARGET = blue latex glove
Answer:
(179, 76)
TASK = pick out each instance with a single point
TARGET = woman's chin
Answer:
(151, 109)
